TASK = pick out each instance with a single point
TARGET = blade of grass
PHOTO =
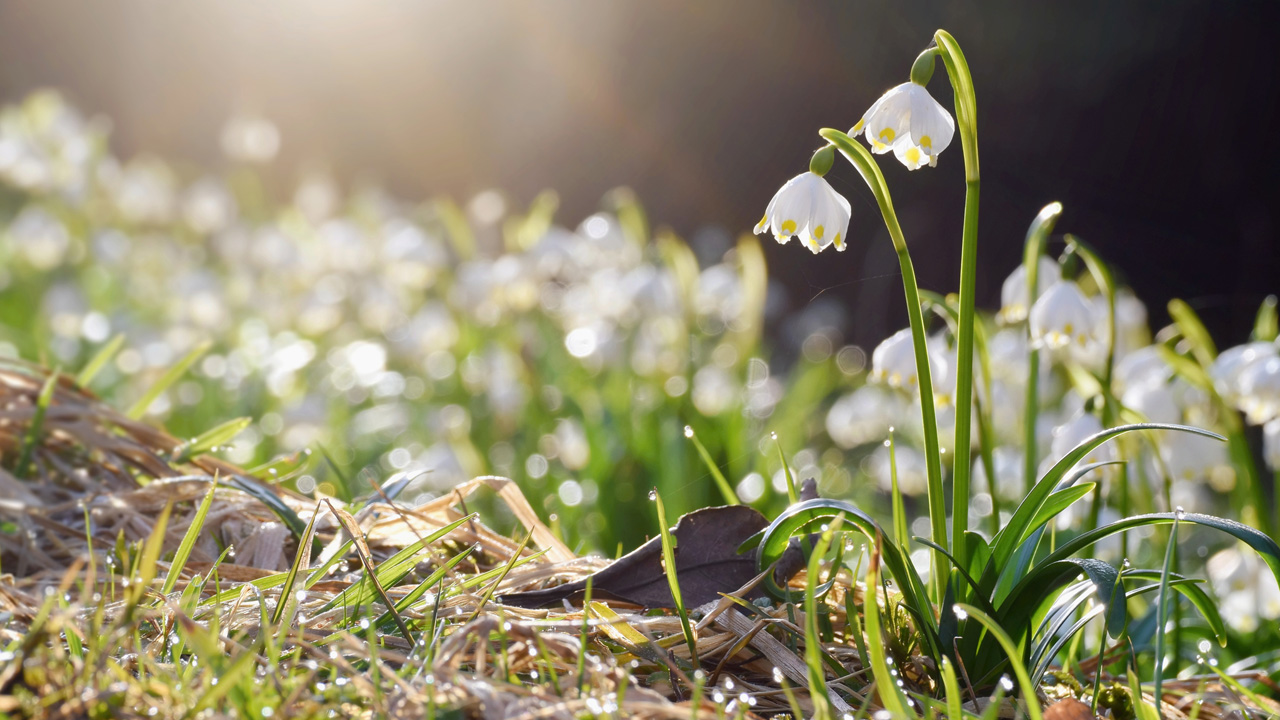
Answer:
(506, 569)
(99, 361)
(301, 562)
(170, 376)
(1015, 661)
(32, 436)
(812, 642)
(206, 441)
(188, 542)
(891, 696)
(669, 560)
(730, 497)
(366, 558)
(1162, 608)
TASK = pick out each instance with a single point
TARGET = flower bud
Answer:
(820, 163)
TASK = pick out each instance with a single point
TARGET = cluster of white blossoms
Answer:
(906, 120)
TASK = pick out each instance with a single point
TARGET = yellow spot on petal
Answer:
(858, 128)
(887, 135)
(926, 143)
(789, 227)
(913, 156)
(838, 242)
(764, 220)
(817, 232)
(1068, 329)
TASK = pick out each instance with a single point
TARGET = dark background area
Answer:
(1153, 122)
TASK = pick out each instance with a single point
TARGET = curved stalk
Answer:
(966, 118)
(861, 158)
(1037, 238)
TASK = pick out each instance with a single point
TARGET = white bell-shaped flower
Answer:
(910, 122)
(1260, 390)
(1063, 319)
(893, 362)
(1271, 445)
(809, 207)
(1228, 369)
(1144, 366)
(1156, 402)
(1013, 293)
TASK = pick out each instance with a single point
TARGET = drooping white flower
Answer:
(1156, 402)
(1013, 293)
(1063, 319)
(1260, 390)
(910, 122)
(1271, 444)
(1142, 367)
(1074, 431)
(809, 207)
(893, 362)
(1230, 364)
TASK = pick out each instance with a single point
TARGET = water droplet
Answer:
(773, 436)
(364, 623)
(1006, 683)
(728, 683)
(887, 443)
(777, 675)
(653, 495)
(688, 431)
(960, 612)
(717, 697)
(1180, 513)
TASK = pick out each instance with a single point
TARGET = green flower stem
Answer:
(966, 117)
(866, 165)
(1037, 238)
(1106, 284)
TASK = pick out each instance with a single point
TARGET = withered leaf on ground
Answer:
(707, 564)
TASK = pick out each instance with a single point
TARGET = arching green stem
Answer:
(866, 165)
(966, 118)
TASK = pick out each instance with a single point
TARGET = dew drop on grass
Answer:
(1006, 683)
(777, 675)
(728, 683)
(1180, 513)
(717, 697)
(773, 436)
(960, 612)
(688, 431)
(653, 495)
(364, 623)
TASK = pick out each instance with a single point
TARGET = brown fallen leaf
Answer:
(707, 564)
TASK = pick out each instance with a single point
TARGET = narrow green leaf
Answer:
(188, 542)
(730, 497)
(206, 441)
(1028, 690)
(32, 437)
(170, 376)
(99, 361)
(669, 561)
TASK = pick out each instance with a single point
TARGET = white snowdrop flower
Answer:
(1271, 444)
(809, 207)
(1144, 366)
(910, 122)
(1132, 331)
(1074, 431)
(1156, 402)
(865, 415)
(1246, 590)
(1190, 457)
(893, 362)
(1231, 363)
(1260, 390)
(1007, 461)
(1063, 319)
(1013, 293)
